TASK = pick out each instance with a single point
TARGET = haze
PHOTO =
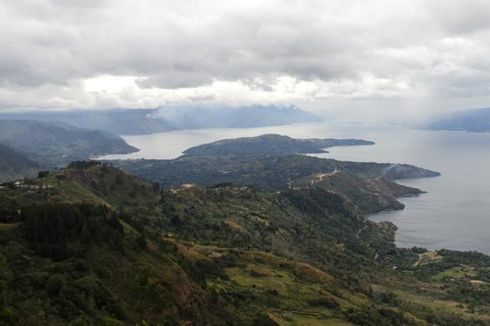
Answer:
(349, 58)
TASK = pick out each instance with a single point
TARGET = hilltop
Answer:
(273, 173)
(368, 195)
(91, 244)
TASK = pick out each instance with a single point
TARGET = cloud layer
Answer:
(106, 53)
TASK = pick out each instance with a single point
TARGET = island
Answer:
(271, 144)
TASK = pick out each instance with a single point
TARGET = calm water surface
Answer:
(455, 211)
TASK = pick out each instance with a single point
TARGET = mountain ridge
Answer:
(474, 120)
(160, 119)
(55, 145)
(273, 173)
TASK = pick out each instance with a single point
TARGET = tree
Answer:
(5, 312)
(150, 294)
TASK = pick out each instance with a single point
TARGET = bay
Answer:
(453, 214)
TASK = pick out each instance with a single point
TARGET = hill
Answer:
(54, 145)
(147, 121)
(273, 173)
(477, 120)
(367, 195)
(92, 245)
(14, 165)
(270, 145)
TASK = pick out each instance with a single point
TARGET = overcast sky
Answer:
(416, 55)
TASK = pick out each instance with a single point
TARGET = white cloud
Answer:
(65, 54)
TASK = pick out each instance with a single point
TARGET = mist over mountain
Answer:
(54, 145)
(14, 165)
(146, 121)
(477, 120)
(239, 117)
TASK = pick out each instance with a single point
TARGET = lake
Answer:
(453, 214)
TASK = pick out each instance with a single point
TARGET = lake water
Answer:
(453, 214)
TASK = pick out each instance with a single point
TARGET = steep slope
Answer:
(79, 248)
(71, 257)
(83, 250)
(270, 144)
(14, 165)
(54, 145)
(368, 195)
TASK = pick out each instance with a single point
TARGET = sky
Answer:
(372, 57)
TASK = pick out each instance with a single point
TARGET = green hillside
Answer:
(92, 245)
(365, 185)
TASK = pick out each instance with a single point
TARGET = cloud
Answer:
(461, 17)
(236, 51)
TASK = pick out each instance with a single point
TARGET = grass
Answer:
(455, 273)
(280, 281)
(308, 321)
(297, 318)
(296, 285)
(428, 301)
(293, 285)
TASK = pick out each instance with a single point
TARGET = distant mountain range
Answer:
(477, 120)
(146, 121)
(271, 144)
(14, 165)
(55, 145)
